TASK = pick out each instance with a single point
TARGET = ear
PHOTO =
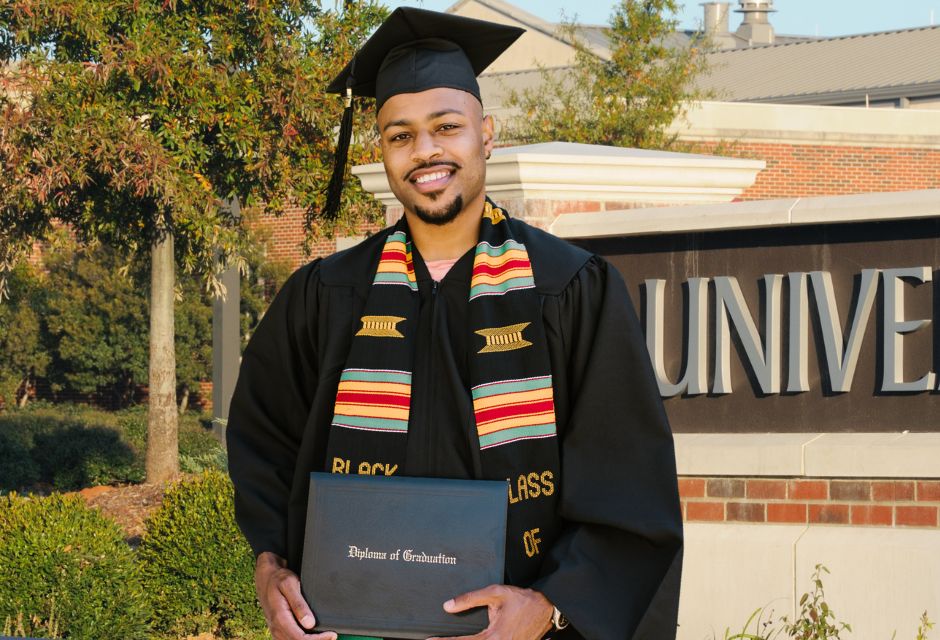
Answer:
(487, 130)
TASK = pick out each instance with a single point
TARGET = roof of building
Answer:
(844, 70)
(835, 70)
(592, 35)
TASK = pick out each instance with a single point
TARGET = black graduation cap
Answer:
(414, 50)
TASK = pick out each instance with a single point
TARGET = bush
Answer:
(197, 567)
(65, 448)
(75, 446)
(67, 572)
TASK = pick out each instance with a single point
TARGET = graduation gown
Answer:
(606, 523)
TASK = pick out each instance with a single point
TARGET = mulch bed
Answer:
(128, 505)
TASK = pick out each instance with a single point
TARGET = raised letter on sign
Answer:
(841, 365)
(895, 326)
(694, 380)
(764, 360)
(797, 360)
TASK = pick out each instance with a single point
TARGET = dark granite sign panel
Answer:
(810, 328)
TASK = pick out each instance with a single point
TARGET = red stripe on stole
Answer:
(506, 266)
(394, 255)
(514, 410)
(385, 399)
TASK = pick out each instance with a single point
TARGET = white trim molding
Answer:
(865, 207)
(563, 171)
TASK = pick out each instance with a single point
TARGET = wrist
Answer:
(558, 620)
(269, 558)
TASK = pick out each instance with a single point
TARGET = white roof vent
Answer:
(756, 27)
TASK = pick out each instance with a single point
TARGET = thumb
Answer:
(471, 599)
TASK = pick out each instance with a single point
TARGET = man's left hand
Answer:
(515, 614)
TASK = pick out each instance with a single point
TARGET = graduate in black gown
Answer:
(524, 362)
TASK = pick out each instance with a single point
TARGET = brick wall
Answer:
(803, 170)
(287, 237)
(863, 502)
(793, 170)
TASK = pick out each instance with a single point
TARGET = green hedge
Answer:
(67, 572)
(69, 447)
(197, 567)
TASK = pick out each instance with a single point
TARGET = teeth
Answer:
(432, 176)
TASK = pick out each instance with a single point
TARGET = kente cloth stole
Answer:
(510, 374)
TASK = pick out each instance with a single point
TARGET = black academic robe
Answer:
(616, 509)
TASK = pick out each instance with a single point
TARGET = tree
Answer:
(96, 319)
(23, 353)
(628, 100)
(131, 121)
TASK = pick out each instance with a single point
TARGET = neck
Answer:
(449, 241)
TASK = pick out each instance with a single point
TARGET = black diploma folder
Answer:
(383, 554)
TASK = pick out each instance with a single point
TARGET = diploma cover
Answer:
(382, 554)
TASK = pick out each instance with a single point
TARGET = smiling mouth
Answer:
(431, 177)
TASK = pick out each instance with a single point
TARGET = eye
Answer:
(448, 126)
(398, 137)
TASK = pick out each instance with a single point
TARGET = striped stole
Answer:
(510, 373)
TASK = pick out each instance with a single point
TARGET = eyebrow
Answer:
(437, 114)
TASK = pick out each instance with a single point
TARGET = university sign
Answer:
(763, 352)
(810, 328)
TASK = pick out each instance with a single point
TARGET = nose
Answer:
(425, 148)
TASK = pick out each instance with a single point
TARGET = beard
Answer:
(444, 215)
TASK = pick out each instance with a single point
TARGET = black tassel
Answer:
(334, 191)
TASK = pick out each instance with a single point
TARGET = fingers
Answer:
(289, 586)
(284, 606)
(513, 612)
(484, 597)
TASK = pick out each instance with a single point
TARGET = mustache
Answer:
(428, 165)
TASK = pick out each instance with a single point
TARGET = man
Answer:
(461, 343)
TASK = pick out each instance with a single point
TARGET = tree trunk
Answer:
(26, 388)
(184, 401)
(162, 432)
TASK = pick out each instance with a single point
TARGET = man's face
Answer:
(434, 147)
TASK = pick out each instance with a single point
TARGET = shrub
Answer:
(67, 572)
(197, 567)
(65, 449)
(74, 446)
(816, 620)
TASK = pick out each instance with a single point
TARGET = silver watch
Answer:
(559, 621)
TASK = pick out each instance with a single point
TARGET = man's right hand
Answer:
(284, 607)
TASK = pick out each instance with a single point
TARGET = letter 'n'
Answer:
(731, 309)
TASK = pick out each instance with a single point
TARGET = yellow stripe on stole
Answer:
(371, 411)
(396, 388)
(527, 420)
(495, 261)
(522, 272)
(507, 400)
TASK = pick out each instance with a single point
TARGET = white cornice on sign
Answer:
(811, 455)
(568, 171)
(867, 207)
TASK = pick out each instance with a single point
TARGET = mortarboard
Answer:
(412, 51)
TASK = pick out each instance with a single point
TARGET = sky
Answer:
(792, 17)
